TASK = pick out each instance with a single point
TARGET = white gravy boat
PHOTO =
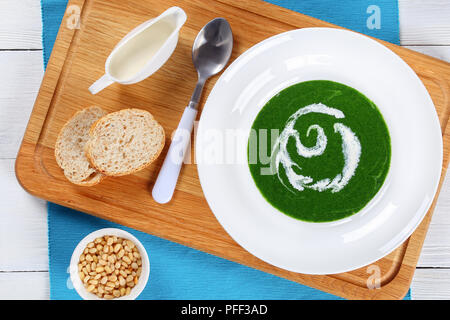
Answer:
(142, 51)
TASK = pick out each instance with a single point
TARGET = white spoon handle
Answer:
(168, 175)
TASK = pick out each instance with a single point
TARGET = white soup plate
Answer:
(320, 54)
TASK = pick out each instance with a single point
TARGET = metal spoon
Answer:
(210, 53)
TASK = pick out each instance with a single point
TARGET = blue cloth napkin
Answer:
(179, 272)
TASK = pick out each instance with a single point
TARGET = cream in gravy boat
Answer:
(142, 51)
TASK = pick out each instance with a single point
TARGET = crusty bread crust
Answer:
(89, 147)
(96, 179)
(61, 158)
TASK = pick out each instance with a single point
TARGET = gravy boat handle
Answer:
(101, 84)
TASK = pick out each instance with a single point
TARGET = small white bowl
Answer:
(75, 278)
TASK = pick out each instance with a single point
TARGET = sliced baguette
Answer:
(70, 147)
(124, 142)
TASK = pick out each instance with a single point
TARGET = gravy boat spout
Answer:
(142, 51)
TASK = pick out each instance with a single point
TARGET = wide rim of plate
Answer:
(391, 244)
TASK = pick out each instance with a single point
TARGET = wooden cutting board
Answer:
(78, 60)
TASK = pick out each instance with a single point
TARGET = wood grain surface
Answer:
(187, 219)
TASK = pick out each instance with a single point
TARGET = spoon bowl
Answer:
(212, 48)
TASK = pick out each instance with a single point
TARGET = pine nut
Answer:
(117, 247)
(108, 269)
(126, 259)
(130, 244)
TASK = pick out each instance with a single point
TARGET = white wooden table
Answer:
(425, 27)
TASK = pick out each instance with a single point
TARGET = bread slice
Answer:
(70, 147)
(124, 142)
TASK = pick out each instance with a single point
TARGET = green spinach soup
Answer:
(319, 151)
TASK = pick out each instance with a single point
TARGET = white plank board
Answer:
(20, 24)
(431, 284)
(24, 286)
(424, 22)
(21, 76)
(440, 52)
(436, 248)
(23, 225)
